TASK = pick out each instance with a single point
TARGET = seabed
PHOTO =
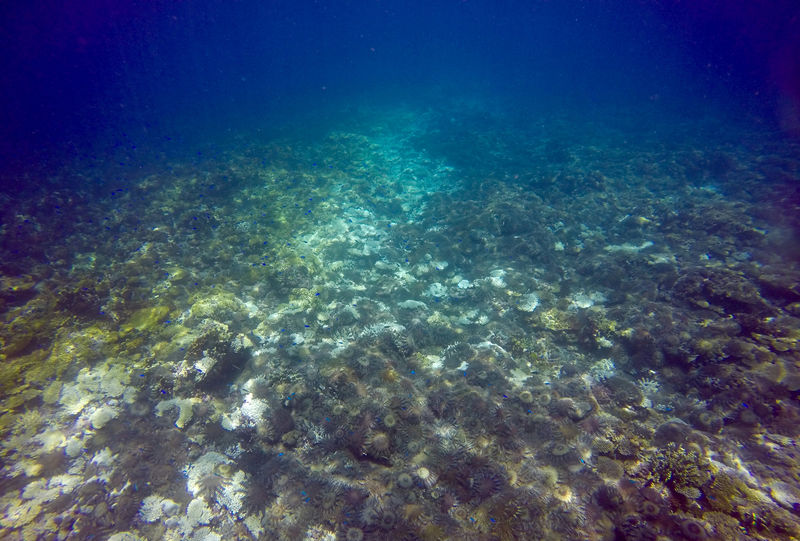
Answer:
(421, 325)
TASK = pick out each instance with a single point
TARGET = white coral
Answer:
(203, 466)
(602, 369)
(198, 512)
(151, 509)
(184, 405)
(232, 496)
(253, 410)
(529, 302)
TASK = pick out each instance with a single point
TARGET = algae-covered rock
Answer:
(218, 306)
(554, 319)
(145, 319)
(16, 338)
(29, 326)
(26, 377)
(52, 392)
(780, 283)
(16, 290)
(787, 495)
(215, 357)
(683, 470)
(720, 289)
(84, 300)
(81, 347)
(624, 392)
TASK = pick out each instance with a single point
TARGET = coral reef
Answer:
(599, 346)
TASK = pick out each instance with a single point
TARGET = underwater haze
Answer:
(356, 270)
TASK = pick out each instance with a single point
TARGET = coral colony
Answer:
(352, 338)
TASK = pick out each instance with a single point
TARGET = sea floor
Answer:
(438, 324)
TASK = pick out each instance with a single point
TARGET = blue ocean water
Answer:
(118, 76)
(383, 270)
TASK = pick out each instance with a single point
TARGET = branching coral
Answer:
(683, 470)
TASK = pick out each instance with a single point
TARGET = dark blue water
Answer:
(111, 77)
(399, 270)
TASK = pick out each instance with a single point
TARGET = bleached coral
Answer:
(197, 514)
(104, 457)
(205, 534)
(65, 483)
(184, 405)
(151, 510)
(74, 398)
(436, 289)
(253, 410)
(111, 386)
(125, 536)
(232, 496)
(319, 533)
(602, 369)
(20, 513)
(37, 490)
(28, 422)
(74, 446)
(101, 416)
(497, 278)
(252, 384)
(155, 507)
(582, 300)
(628, 247)
(254, 526)
(201, 468)
(529, 302)
(50, 440)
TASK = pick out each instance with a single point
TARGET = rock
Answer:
(215, 357)
(672, 431)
